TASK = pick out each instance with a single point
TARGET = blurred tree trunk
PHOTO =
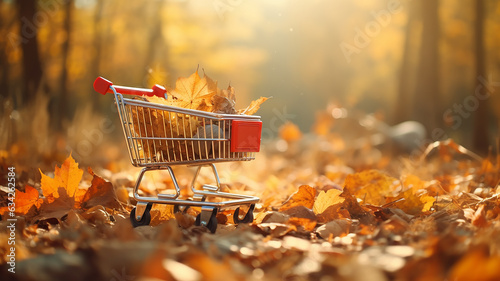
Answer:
(97, 46)
(480, 137)
(32, 67)
(63, 101)
(405, 95)
(427, 96)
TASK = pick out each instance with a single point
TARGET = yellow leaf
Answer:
(327, 199)
(194, 92)
(416, 198)
(253, 107)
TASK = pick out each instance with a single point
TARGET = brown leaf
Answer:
(56, 207)
(100, 192)
(224, 101)
(303, 197)
(479, 218)
(276, 217)
(337, 211)
(352, 205)
(276, 229)
(338, 227)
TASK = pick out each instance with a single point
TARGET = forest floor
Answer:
(326, 212)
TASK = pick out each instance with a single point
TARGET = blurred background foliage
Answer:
(401, 59)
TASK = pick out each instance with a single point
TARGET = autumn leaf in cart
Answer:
(202, 93)
(194, 92)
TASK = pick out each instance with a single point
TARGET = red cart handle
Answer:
(102, 85)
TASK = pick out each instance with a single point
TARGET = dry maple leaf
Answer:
(57, 207)
(100, 192)
(303, 197)
(194, 92)
(62, 193)
(68, 177)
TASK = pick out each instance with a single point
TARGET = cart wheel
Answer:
(146, 218)
(212, 222)
(248, 217)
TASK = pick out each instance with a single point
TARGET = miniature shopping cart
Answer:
(160, 136)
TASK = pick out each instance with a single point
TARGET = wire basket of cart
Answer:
(160, 136)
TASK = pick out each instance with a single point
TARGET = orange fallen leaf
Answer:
(371, 186)
(67, 177)
(307, 224)
(24, 201)
(160, 213)
(416, 200)
(303, 197)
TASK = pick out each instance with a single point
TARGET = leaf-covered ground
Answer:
(327, 212)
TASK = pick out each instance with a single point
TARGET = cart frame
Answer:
(152, 152)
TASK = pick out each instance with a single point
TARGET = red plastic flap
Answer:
(245, 136)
